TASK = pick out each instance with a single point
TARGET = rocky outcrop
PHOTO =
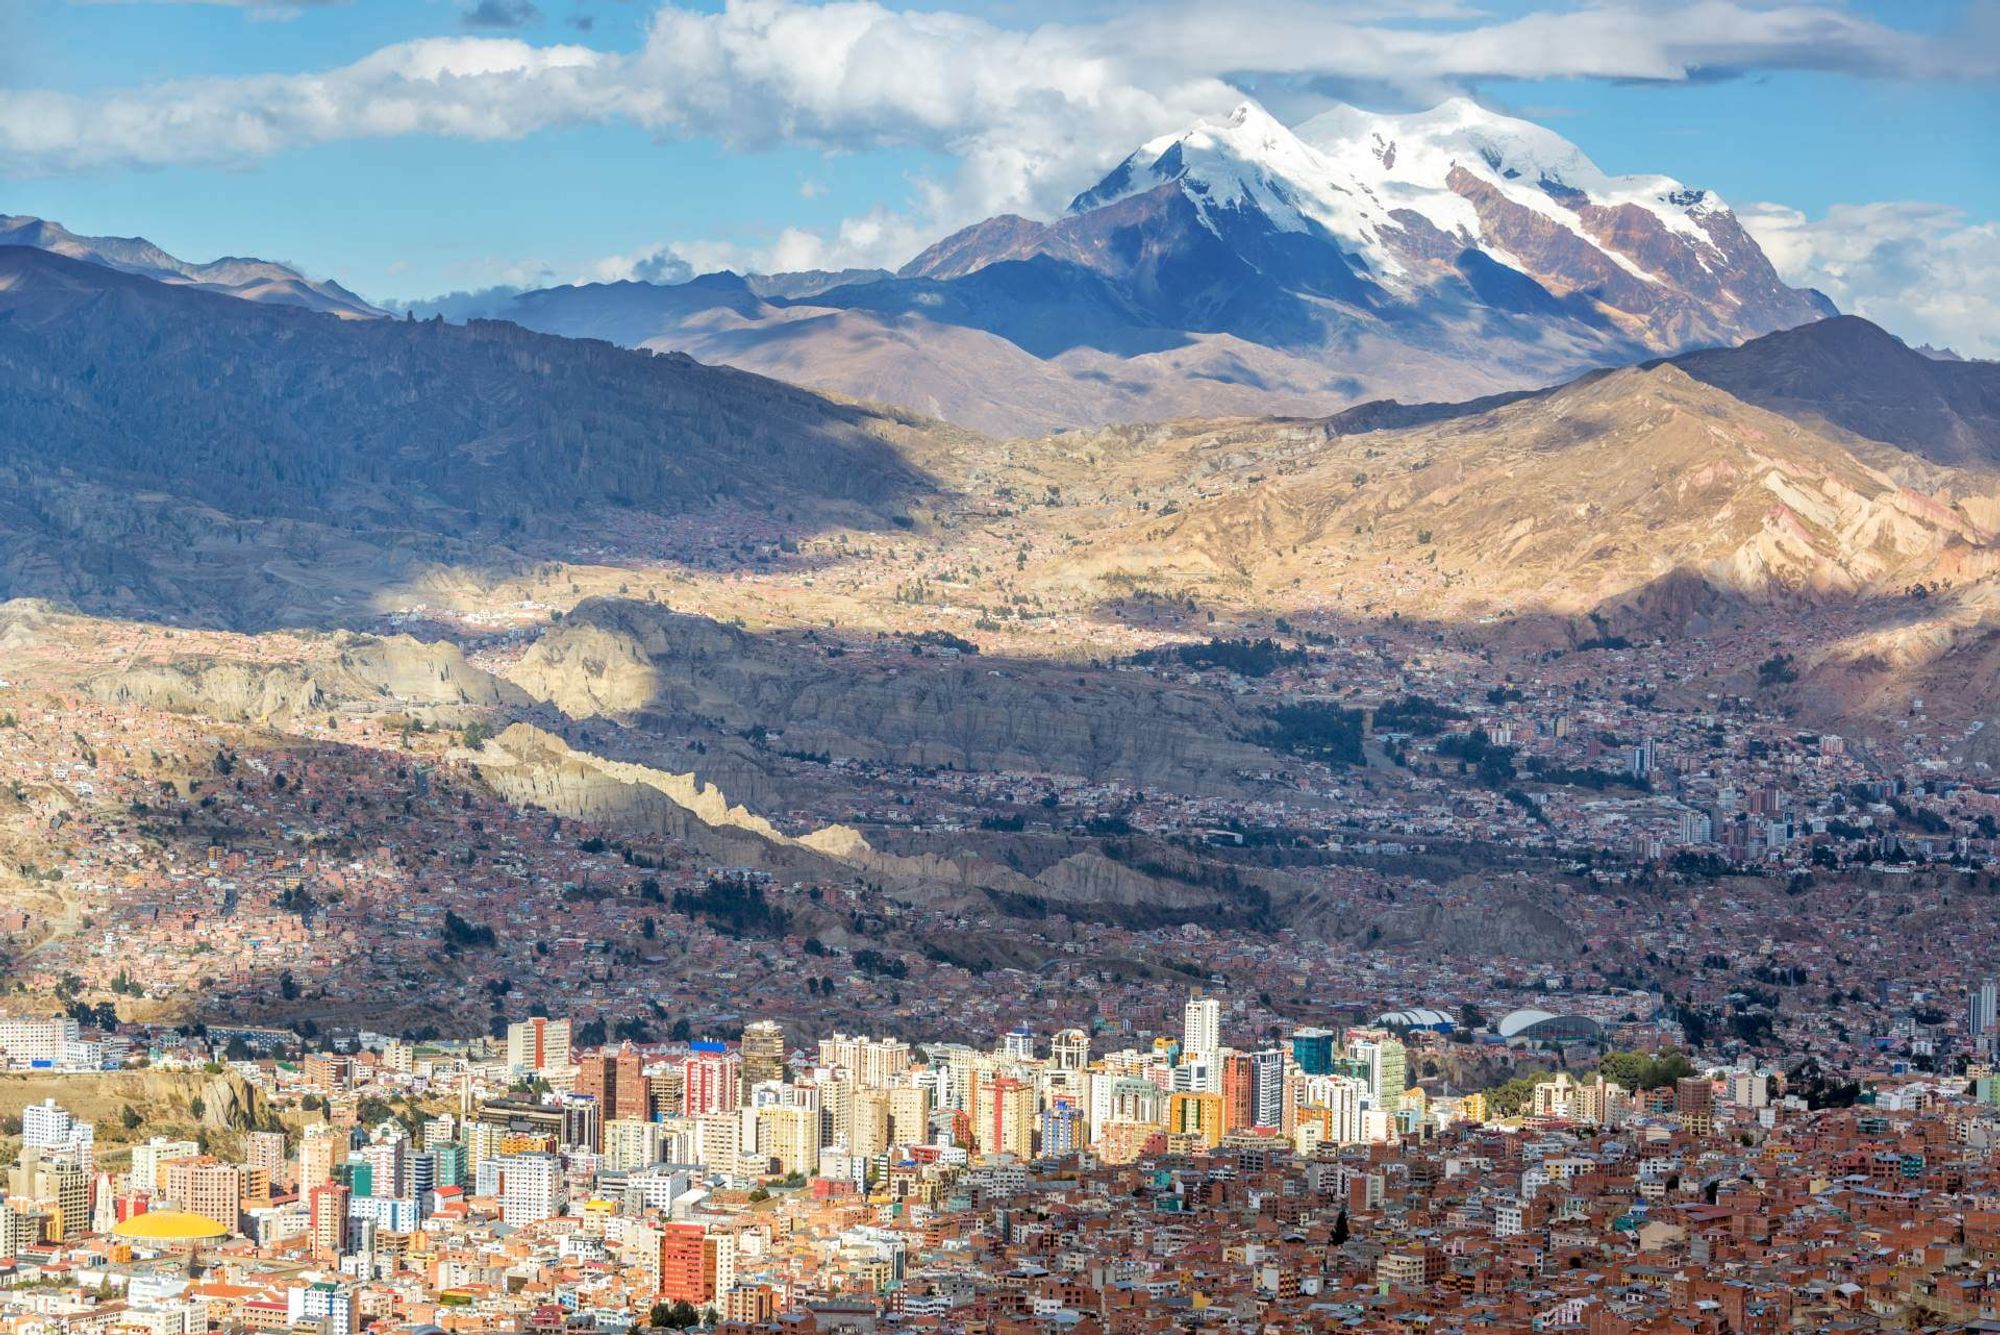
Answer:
(348, 670)
(531, 767)
(642, 663)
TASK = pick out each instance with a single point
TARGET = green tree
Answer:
(1511, 1098)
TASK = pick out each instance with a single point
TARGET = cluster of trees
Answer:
(941, 639)
(678, 1315)
(1493, 765)
(1316, 731)
(1418, 716)
(1639, 1070)
(738, 908)
(1597, 780)
(1777, 670)
(1246, 658)
(461, 934)
(878, 965)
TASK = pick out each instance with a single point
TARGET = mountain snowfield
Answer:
(1356, 174)
(1237, 267)
(1408, 199)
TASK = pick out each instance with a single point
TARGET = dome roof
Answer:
(169, 1226)
(1514, 1022)
(1418, 1017)
(1545, 1026)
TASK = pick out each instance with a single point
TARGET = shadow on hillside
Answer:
(253, 458)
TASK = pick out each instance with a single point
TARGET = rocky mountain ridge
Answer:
(1242, 266)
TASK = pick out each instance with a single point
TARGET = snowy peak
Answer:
(1419, 206)
(1529, 163)
(248, 279)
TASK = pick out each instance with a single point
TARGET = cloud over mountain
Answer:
(1024, 108)
(1924, 270)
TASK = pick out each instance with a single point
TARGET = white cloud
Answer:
(658, 263)
(1028, 114)
(1922, 271)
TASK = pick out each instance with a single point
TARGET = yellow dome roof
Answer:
(170, 1226)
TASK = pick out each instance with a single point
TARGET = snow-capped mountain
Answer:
(1243, 266)
(250, 279)
(1426, 215)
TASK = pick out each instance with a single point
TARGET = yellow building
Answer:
(868, 1123)
(1198, 1115)
(788, 1139)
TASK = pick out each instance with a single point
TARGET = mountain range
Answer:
(172, 448)
(179, 454)
(262, 281)
(176, 448)
(1240, 267)
(1245, 267)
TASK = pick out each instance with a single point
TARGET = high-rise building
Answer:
(388, 1166)
(630, 1144)
(265, 1150)
(683, 1264)
(666, 1083)
(869, 1123)
(538, 1043)
(909, 1115)
(763, 1049)
(1196, 1115)
(871, 1063)
(56, 1189)
(147, 1158)
(328, 1306)
(1267, 1080)
(711, 1081)
(215, 1191)
(1312, 1050)
(1983, 1013)
(617, 1080)
(1385, 1060)
(48, 1127)
(1239, 1093)
(1063, 1128)
(30, 1040)
(440, 1130)
(1003, 1116)
(1018, 1044)
(327, 1204)
(1201, 1029)
(318, 1149)
(1069, 1050)
(788, 1139)
(530, 1188)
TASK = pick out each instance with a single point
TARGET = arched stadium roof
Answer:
(1417, 1017)
(1541, 1026)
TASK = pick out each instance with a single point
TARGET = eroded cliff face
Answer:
(534, 768)
(636, 662)
(530, 767)
(342, 670)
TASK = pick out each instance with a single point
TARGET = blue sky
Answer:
(407, 148)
